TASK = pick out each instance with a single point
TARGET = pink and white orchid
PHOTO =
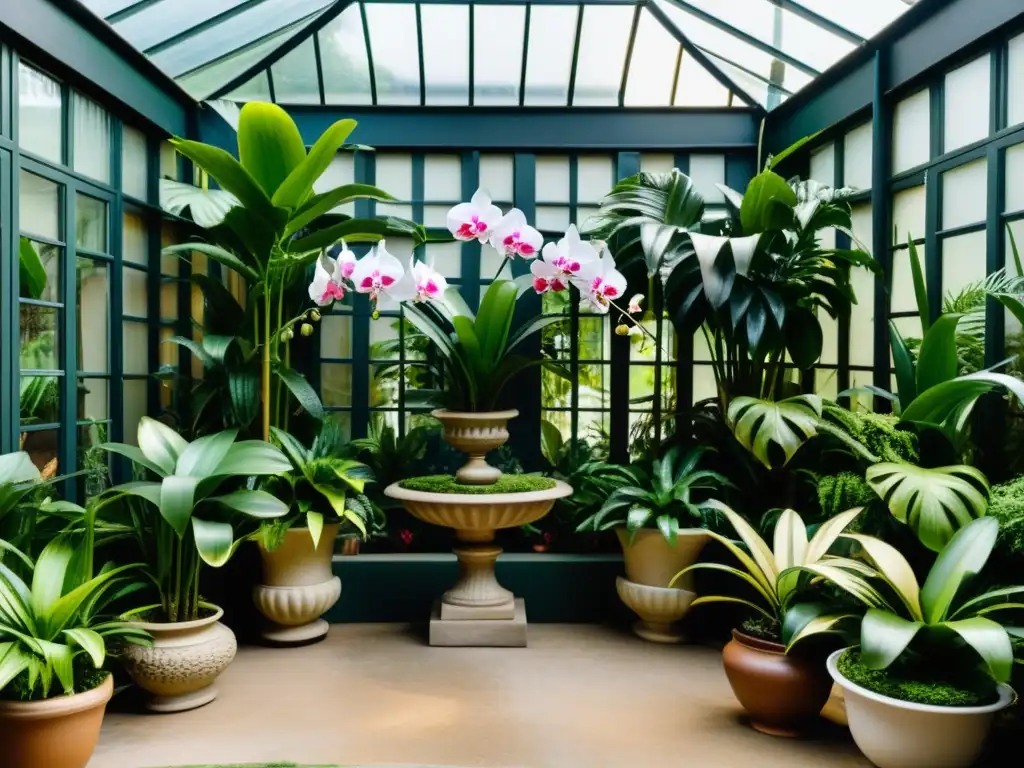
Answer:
(328, 282)
(635, 303)
(569, 259)
(381, 275)
(345, 258)
(601, 284)
(430, 284)
(514, 237)
(475, 220)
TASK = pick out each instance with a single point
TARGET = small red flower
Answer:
(406, 536)
(548, 537)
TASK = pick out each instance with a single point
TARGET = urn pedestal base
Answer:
(482, 632)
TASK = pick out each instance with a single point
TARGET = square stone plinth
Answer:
(480, 633)
(505, 611)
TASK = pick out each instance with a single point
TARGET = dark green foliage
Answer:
(843, 491)
(762, 628)
(1006, 504)
(877, 432)
(897, 682)
(87, 678)
(505, 484)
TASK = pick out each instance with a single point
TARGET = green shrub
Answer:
(878, 433)
(505, 484)
(896, 683)
(843, 491)
(1006, 504)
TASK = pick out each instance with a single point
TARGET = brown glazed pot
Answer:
(782, 694)
(56, 733)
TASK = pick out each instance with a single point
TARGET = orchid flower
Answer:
(328, 281)
(475, 220)
(600, 285)
(345, 258)
(635, 302)
(430, 284)
(569, 259)
(381, 275)
(514, 237)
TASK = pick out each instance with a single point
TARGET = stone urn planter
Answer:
(650, 563)
(900, 734)
(56, 733)
(179, 671)
(476, 434)
(782, 694)
(298, 586)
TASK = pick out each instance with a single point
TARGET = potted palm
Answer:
(934, 661)
(197, 511)
(325, 492)
(56, 633)
(653, 510)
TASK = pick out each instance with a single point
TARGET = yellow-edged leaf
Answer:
(828, 532)
(894, 569)
(790, 540)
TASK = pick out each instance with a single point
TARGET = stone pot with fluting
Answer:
(476, 434)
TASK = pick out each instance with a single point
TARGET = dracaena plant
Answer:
(198, 509)
(943, 613)
(268, 225)
(669, 494)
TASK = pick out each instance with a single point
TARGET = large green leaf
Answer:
(214, 541)
(302, 391)
(203, 454)
(353, 230)
(937, 358)
(177, 501)
(91, 642)
(297, 187)
(804, 337)
(935, 503)
(884, 637)
(48, 576)
(230, 174)
(903, 362)
(218, 254)
(269, 145)
(920, 287)
(494, 319)
(960, 561)
(160, 444)
(990, 641)
(259, 504)
(318, 205)
(790, 545)
(209, 207)
(253, 457)
(944, 400)
(767, 204)
(788, 424)
(893, 567)
(31, 272)
(17, 467)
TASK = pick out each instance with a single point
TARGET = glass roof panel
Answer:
(603, 41)
(257, 89)
(865, 17)
(108, 7)
(497, 53)
(696, 87)
(343, 59)
(394, 51)
(294, 76)
(163, 20)
(238, 31)
(652, 66)
(445, 31)
(549, 54)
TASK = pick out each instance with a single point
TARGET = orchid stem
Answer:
(501, 268)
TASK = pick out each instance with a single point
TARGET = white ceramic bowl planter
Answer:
(899, 734)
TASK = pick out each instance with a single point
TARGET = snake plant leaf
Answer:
(893, 567)
(884, 637)
(903, 362)
(920, 286)
(935, 503)
(937, 358)
(790, 540)
(990, 641)
(494, 320)
(787, 424)
(804, 620)
(961, 560)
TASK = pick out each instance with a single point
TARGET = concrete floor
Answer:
(374, 694)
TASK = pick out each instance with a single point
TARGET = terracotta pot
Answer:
(56, 733)
(179, 670)
(651, 560)
(298, 586)
(782, 694)
(899, 734)
(476, 434)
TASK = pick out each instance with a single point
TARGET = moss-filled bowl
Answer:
(505, 484)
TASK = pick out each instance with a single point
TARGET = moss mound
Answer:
(1006, 504)
(762, 628)
(895, 684)
(505, 484)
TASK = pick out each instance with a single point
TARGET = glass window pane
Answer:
(90, 223)
(442, 178)
(134, 163)
(134, 408)
(652, 65)
(161, 21)
(857, 151)
(445, 53)
(336, 385)
(903, 298)
(169, 161)
(295, 78)
(256, 89)
(908, 214)
(966, 107)
(552, 179)
(707, 171)
(1015, 178)
(696, 87)
(603, 42)
(651, 162)
(40, 109)
(823, 165)
(341, 171)
(135, 239)
(39, 270)
(963, 261)
(595, 175)
(865, 17)
(497, 53)
(336, 336)
(911, 132)
(39, 403)
(862, 314)
(395, 52)
(92, 139)
(136, 350)
(40, 338)
(134, 292)
(93, 285)
(394, 175)
(496, 174)
(964, 192)
(93, 399)
(38, 206)
(1015, 84)
(343, 59)
(549, 58)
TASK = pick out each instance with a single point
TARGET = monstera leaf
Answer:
(787, 425)
(935, 503)
(207, 206)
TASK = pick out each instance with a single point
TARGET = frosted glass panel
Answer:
(857, 157)
(823, 165)
(1015, 84)
(255, 89)
(830, 338)
(602, 53)
(40, 106)
(595, 175)
(38, 206)
(963, 261)
(549, 59)
(657, 163)
(697, 87)
(134, 169)
(911, 132)
(1015, 178)
(964, 194)
(395, 52)
(1017, 228)
(394, 175)
(652, 65)
(446, 258)
(706, 171)
(902, 297)
(343, 57)
(552, 179)
(497, 53)
(135, 239)
(340, 171)
(967, 104)
(92, 139)
(445, 53)
(862, 314)
(134, 291)
(442, 177)
(496, 174)
(552, 218)
(295, 77)
(136, 350)
(908, 214)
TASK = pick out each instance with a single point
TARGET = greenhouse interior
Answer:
(511, 384)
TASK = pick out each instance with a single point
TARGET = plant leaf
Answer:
(884, 637)
(760, 424)
(295, 189)
(270, 146)
(962, 559)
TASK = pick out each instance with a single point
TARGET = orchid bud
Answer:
(306, 329)
(287, 335)
(314, 315)
(375, 315)
(622, 329)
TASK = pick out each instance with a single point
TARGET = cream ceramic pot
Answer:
(651, 560)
